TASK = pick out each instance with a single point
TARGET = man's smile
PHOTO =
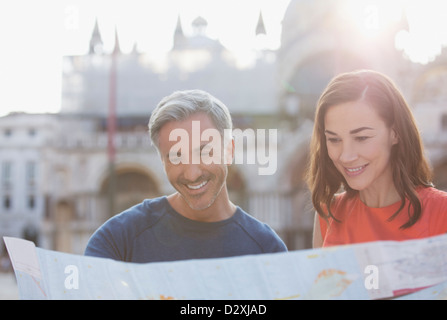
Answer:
(197, 186)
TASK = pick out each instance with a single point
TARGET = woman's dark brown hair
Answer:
(409, 165)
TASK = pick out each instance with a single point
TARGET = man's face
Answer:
(199, 183)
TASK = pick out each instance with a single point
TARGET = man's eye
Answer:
(175, 157)
(207, 151)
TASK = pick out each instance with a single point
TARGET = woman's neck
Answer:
(380, 197)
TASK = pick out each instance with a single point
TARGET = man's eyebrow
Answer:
(351, 132)
(202, 145)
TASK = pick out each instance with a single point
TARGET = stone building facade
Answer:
(55, 173)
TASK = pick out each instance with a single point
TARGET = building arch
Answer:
(440, 175)
(298, 233)
(430, 85)
(311, 75)
(237, 187)
(132, 184)
(64, 216)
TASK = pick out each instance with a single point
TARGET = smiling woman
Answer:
(362, 154)
(366, 145)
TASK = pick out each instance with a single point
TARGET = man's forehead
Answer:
(199, 116)
(199, 121)
(192, 133)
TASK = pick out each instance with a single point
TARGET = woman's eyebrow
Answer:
(354, 131)
(360, 129)
(330, 132)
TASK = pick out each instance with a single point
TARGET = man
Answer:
(198, 220)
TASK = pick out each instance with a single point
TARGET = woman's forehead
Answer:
(351, 115)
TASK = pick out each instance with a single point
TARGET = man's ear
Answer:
(229, 152)
(159, 155)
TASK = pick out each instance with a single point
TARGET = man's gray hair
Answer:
(181, 104)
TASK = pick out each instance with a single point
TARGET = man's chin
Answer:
(198, 206)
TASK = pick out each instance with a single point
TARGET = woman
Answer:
(366, 147)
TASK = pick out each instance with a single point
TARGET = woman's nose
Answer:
(348, 153)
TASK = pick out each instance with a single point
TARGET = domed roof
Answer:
(199, 22)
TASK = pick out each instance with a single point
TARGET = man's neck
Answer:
(221, 209)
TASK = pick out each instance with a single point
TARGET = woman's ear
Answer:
(394, 137)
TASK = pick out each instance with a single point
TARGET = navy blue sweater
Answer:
(153, 231)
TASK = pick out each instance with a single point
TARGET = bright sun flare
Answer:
(33, 76)
(423, 30)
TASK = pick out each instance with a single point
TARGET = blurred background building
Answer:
(60, 178)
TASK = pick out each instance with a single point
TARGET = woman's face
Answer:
(359, 144)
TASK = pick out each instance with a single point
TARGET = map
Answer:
(413, 269)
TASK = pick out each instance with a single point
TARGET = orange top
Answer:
(360, 223)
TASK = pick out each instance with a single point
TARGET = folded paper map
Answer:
(413, 269)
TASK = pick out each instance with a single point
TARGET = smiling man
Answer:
(198, 220)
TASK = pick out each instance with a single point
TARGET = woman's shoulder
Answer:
(434, 203)
(432, 194)
(433, 200)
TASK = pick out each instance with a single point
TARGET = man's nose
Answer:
(192, 172)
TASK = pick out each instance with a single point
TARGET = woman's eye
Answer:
(333, 140)
(362, 138)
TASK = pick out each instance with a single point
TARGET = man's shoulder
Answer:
(248, 220)
(140, 216)
(113, 238)
(260, 232)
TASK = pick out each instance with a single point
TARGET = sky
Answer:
(36, 34)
